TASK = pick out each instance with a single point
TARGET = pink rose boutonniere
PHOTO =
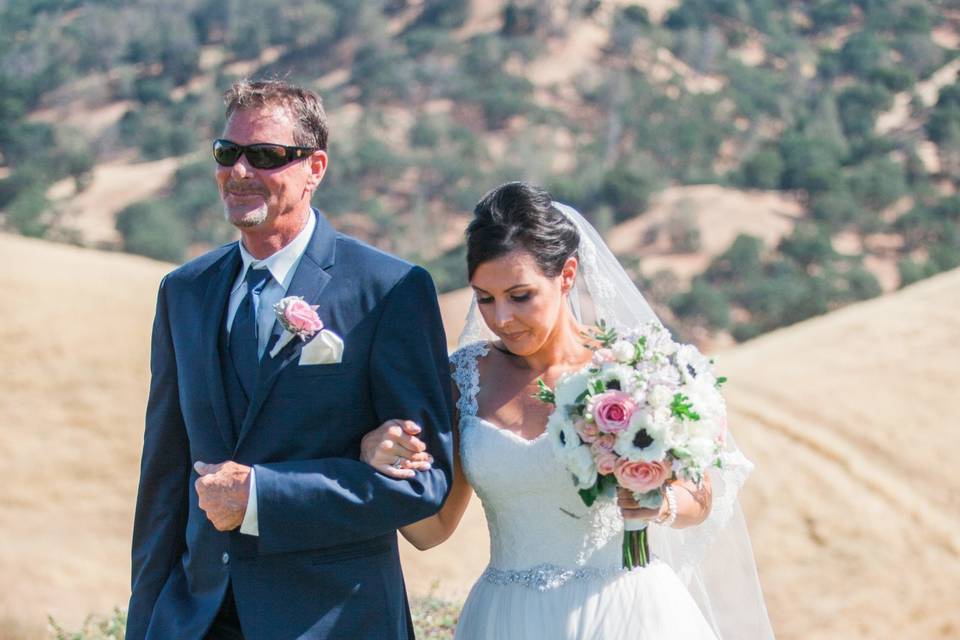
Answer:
(298, 318)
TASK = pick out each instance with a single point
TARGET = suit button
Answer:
(226, 557)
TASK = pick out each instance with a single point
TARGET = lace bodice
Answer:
(540, 531)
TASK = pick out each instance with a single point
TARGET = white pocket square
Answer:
(325, 348)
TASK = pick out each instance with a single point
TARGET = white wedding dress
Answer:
(555, 565)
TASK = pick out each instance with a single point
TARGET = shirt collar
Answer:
(281, 264)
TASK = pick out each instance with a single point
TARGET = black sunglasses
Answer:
(260, 156)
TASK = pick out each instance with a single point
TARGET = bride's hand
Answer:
(633, 511)
(394, 450)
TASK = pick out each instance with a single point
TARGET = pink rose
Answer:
(606, 462)
(612, 411)
(588, 430)
(604, 444)
(640, 476)
(302, 318)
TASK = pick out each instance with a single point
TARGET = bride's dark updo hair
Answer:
(518, 215)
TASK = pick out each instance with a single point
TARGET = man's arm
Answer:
(159, 527)
(312, 504)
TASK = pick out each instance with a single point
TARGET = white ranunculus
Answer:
(623, 351)
(579, 461)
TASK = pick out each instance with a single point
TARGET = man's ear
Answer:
(318, 167)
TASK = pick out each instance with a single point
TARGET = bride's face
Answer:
(521, 305)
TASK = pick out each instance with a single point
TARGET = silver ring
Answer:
(396, 463)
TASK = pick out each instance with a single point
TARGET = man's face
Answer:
(260, 197)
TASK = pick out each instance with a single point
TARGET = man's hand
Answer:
(223, 490)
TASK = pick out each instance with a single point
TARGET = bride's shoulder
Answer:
(469, 353)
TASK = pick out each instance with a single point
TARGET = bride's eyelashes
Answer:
(518, 298)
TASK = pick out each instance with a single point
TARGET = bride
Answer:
(541, 275)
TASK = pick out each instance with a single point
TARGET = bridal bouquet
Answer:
(644, 411)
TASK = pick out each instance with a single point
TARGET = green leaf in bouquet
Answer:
(589, 496)
(640, 348)
(582, 398)
(649, 500)
(604, 334)
(597, 387)
(681, 407)
(680, 454)
(544, 394)
(721, 381)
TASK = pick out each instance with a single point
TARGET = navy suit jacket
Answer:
(325, 564)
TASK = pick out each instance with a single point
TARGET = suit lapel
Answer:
(309, 281)
(215, 302)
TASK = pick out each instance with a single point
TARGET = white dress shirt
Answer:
(282, 265)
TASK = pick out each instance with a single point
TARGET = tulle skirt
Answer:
(648, 603)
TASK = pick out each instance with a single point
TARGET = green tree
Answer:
(859, 106)
(878, 183)
(703, 303)
(862, 52)
(808, 245)
(811, 164)
(151, 229)
(762, 170)
(742, 261)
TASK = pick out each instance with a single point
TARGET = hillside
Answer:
(854, 529)
(853, 511)
(827, 132)
(75, 338)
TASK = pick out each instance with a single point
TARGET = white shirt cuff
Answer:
(250, 525)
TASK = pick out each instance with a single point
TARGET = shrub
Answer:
(738, 263)
(627, 190)
(808, 245)
(878, 183)
(703, 303)
(762, 170)
(810, 164)
(684, 231)
(149, 229)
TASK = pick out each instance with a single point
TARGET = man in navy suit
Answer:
(255, 519)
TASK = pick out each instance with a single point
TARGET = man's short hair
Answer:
(306, 107)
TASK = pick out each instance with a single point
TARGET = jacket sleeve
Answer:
(312, 504)
(159, 528)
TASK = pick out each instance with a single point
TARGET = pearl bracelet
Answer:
(671, 498)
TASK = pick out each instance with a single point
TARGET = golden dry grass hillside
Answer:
(849, 417)
(75, 337)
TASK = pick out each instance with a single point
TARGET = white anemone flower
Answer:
(562, 433)
(569, 388)
(693, 365)
(579, 461)
(624, 375)
(644, 439)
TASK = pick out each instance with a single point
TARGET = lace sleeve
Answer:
(467, 375)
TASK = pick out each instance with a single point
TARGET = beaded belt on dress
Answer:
(544, 577)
